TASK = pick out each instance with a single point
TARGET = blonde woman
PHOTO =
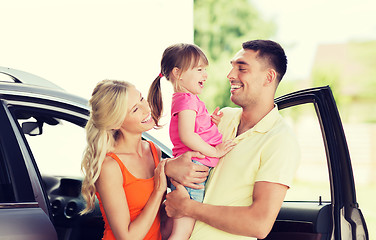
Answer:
(123, 171)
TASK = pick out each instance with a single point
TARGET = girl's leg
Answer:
(183, 227)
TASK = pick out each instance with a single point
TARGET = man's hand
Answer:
(184, 171)
(175, 201)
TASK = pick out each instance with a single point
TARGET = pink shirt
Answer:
(204, 126)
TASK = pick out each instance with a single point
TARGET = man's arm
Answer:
(255, 220)
(184, 171)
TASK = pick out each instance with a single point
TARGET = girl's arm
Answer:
(216, 116)
(110, 188)
(186, 127)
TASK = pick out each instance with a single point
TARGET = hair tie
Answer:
(160, 75)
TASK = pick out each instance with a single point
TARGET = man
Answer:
(246, 189)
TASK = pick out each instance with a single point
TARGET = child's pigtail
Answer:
(155, 99)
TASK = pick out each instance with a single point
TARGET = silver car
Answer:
(40, 154)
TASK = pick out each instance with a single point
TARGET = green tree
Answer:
(220, 27)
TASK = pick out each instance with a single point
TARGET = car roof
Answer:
(26, 85)
(26, 78)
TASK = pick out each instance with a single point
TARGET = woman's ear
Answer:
(176, 72)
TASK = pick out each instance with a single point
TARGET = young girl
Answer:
(120, 168)
(191, 127)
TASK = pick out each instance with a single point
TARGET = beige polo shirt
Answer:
(267, 152)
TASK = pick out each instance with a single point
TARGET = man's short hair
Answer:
(271, 52)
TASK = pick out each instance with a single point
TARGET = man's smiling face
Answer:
(246, 77)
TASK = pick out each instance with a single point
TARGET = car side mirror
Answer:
(32, 128)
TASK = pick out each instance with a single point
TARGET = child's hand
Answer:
(224, 148)
(216, 116)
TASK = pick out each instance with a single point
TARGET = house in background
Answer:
(350, 70)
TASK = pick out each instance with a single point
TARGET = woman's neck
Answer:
(129, 143)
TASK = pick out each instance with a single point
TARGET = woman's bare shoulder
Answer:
(148, 145)
(110, 170)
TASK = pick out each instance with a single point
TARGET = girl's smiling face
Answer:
(193, 79)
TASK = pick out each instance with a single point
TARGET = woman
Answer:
(121, 169)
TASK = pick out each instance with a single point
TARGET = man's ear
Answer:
(271, 77)
(176, 72)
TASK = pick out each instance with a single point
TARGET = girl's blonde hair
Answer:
(182, 56)
(108, 110)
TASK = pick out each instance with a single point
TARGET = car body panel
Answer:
(19, 222)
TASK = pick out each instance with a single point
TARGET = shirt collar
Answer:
(264, 125)
(267, 122)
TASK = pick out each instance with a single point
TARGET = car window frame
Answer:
(342, 186)
(14, 160)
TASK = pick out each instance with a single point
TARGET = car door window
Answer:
(311, 182)
(6, 192)
(16, 184)
(59, 149)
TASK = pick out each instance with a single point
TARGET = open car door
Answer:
(322, 203)
(23, 207)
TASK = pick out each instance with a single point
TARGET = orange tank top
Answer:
(137, 192)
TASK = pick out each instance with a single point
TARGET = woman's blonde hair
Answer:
(108, 110)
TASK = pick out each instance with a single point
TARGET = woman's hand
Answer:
(160, 181)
